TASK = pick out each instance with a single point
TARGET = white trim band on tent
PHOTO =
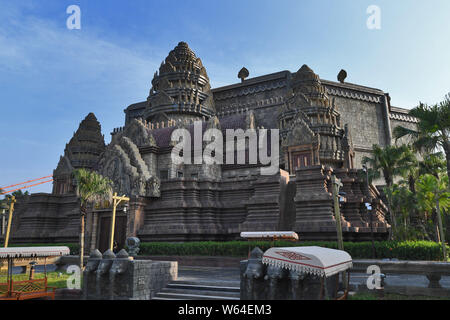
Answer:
(27, 252)
(270, 234)
(319, 261)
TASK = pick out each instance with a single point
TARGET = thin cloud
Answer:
(31, 47)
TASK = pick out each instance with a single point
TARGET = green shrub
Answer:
(402, 250)
(405, 250)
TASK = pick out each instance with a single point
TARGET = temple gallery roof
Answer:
(181, 85)
(278, 80)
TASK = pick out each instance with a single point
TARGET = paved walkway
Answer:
(231, 276)
(228, 276)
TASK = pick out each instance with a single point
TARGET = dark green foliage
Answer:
(405, 250)
(20, 193)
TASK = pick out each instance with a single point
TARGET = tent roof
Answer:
(26, 252)
(270, 234)
(313, 260)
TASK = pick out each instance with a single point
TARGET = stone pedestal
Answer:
(259, 282)
(120, 277)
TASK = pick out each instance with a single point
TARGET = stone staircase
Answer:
(199, 290)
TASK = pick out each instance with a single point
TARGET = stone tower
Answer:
(308, 105)
(83, 151)
(181, 91)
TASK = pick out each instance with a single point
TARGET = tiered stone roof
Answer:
(181, 87)
(85, 147)
(309, 100)
(87, 144)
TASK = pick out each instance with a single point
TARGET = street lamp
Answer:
(11, 200)
(366, 170)
(32, 267)
(3, 208)
(336, 183)
(342, 197)
(116, 201)
(369, 210)
(338, 199)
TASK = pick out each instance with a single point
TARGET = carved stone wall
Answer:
(336, 122)
(44, 218)
(111, 277)
(124, 165)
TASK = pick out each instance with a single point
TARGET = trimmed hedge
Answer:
(406, 250)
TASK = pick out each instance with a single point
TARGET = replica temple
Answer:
(325, 128)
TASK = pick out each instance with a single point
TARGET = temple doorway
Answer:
(119, 233)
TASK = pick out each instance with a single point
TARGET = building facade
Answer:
(325, 128)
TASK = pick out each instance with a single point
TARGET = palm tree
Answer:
(20, 193)
(433, 195)
(390, 161)
(433, 129)
(91, 188)
(404, 204)
(433, 164)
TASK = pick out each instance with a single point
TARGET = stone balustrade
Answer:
(432, 270)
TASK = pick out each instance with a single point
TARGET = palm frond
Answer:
(400, 132)
(92, 187)
(391, 161)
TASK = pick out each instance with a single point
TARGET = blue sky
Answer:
(52, 77)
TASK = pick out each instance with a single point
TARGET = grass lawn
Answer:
(54, 279)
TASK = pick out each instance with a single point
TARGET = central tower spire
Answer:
(181, 90)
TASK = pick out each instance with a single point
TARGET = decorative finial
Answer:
(342, 75)
(243, 73)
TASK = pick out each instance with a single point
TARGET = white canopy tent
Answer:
(30, 252)
(319, 261)
(270, 235)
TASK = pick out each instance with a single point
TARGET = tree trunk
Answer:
(412, 184)
(441, 229)
(447, 157)
(414, 215)
(392, 213)
(426, 235)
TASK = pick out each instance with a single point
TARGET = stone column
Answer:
(135, 215)
(264, 206)
(93, 237)
(387, 120)
(314, 203)
(351, 208)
